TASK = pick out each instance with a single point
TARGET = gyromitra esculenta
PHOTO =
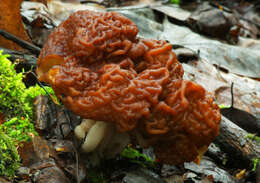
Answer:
(103, 72)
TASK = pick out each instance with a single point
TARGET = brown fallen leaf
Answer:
(41, 147)
(11, 21)
(34, 151)
(51, 175)
(241, 174)
(27, 154)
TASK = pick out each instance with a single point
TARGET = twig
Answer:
(233, 140)
(232, 94)
(95, 2)
(40, 84)
(24, 44)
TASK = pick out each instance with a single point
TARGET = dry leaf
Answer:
(34, 151)
(241, 174)
(246, 90)
(41, 147)
(27, 154)
(11, 21)
(41, 1)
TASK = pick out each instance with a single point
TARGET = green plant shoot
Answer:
(137, 157)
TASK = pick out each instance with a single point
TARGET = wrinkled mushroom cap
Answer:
(102, 71)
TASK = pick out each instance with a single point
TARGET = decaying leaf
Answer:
(175, 179)
(41, 1)
(27, 154)
(34, 151)
(173, 11)
(41, 147)
(11, 21)
(142, 175)
(47, 171)
(209, 169)
(241, 174)
(246, 90)
(241, 61)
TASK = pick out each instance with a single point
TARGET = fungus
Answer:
(101, 138)
(128, 86)
(81, 130)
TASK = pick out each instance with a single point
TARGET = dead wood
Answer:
(28, 60)
(24, 44)
(235, 142)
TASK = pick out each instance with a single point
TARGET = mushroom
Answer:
(126, 86)
(84, 127)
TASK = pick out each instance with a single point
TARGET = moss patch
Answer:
(9, 157)
(16, 104)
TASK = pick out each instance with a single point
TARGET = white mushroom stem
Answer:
(94, 136)
(81, 130)
(102, 140)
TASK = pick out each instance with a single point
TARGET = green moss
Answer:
(175, 1)
(255, 162)
(16, 101)
(16, 104)
(9, 157)
(253, 137)
(136, 157)
(222, 106)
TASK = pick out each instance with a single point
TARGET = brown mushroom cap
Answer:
(102, 71)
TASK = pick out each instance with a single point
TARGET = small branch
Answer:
(27, 59)
(24, 44)
(233, 141)
(95, 2)
(232, 94)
